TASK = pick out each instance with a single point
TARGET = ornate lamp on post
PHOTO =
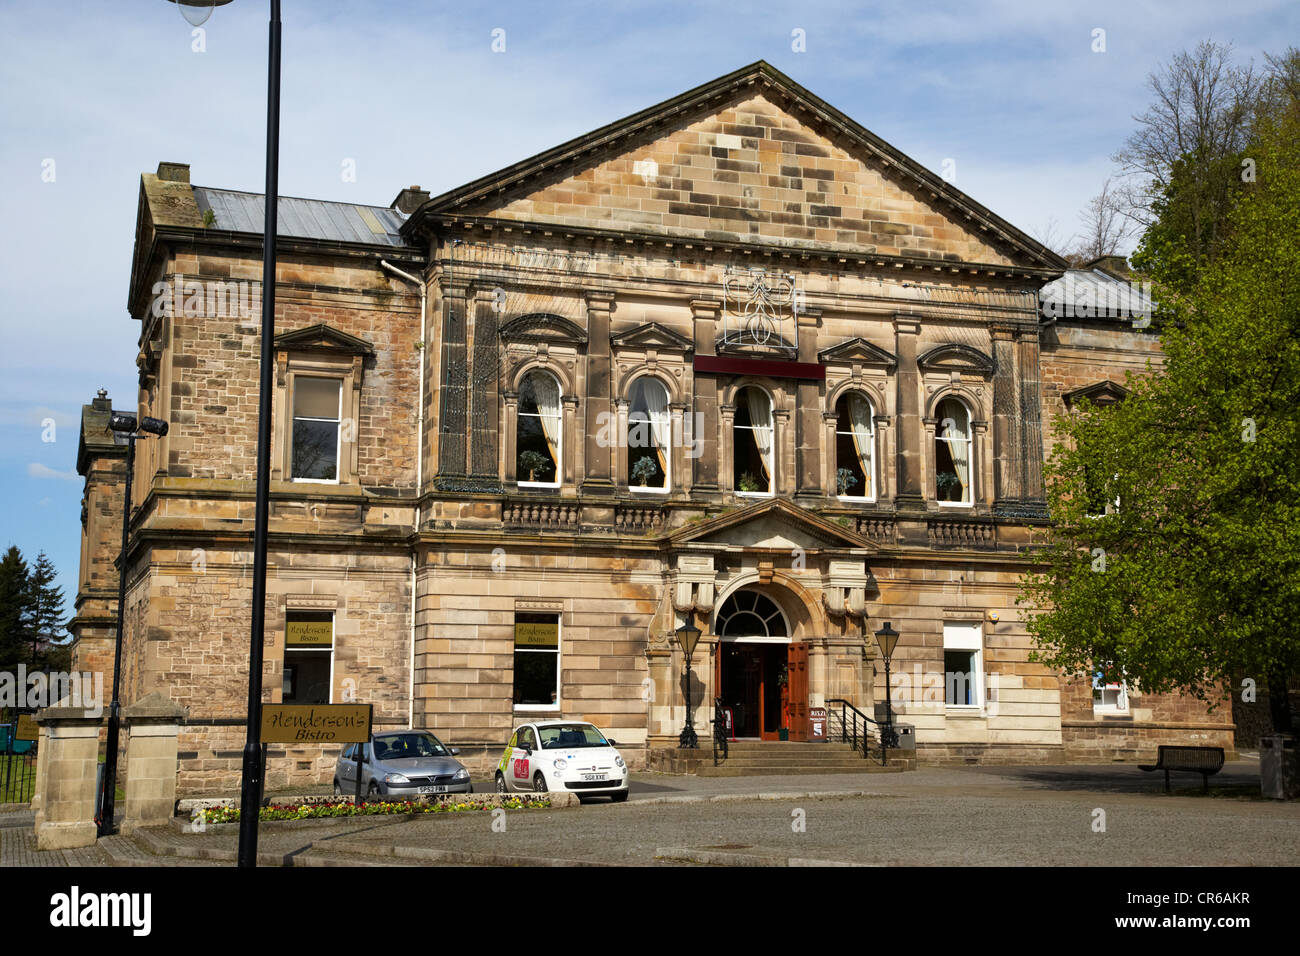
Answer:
(251, 787)
(688, 635)
(128, 426)
(887, 638)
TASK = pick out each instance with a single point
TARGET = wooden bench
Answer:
(1202, 760)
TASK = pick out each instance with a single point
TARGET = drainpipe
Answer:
(419, 475)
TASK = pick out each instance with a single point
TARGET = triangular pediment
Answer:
(858, 351)
(1104, 392)
(543, 327)
(652, 335)
(774, 524)
(956, 358)
(323, 337)
(751, 157)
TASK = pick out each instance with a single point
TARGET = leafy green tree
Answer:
(1194, 580)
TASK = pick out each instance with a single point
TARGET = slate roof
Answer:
(303, 218)
(1104, 295)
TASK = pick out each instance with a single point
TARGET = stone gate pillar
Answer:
(69, 756)
(152, 725)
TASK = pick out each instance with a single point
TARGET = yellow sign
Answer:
(315, 723)
(537, 634)
(26, 729)
(308, 633)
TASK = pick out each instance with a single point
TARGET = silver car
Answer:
(402, 763)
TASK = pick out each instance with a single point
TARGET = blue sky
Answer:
(1011, 91)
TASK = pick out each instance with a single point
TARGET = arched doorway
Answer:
(753, 676)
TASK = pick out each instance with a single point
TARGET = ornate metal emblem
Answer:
(759, 309)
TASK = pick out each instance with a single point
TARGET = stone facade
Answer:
(742, 247)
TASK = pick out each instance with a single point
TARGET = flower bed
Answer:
(316, 811)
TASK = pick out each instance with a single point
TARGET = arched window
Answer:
(855, 443)
(752, 442)
(537, 432)
(750, 614)
(952, 453)
(649, 437)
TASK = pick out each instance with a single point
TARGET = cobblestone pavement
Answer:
(935, 816)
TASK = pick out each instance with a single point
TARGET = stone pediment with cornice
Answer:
(750, 157)
(858, 352)
(652, 335)
(775, 525)
(322, 337)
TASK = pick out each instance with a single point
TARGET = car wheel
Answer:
(501, 783)
(373, 789)
(338, 791)
(539, 783)
(618, 797)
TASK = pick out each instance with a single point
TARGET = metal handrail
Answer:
(849, 731)
(719, 730)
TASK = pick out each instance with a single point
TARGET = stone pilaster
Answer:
(706, 313)
(484, 387)
(598, 469)
(1006, 417)
(1031, 407)
(808, 430)
(453, 417)
(908, 434)
(152, 726)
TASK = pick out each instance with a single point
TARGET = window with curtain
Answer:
(752, 442)
(537, 431)
(855, 441)
(952, 453)
(316, 432)
(649, 436)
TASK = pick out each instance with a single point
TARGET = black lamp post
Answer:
(128, 426)
(688, 635)
(887, 638)
(250, 797)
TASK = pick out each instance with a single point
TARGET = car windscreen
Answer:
(565, 736)
(401, 746)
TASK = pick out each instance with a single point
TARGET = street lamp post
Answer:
(688, 635)
(887, 638)
(128, 426)
(250, 796)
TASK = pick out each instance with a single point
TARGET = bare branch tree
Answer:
(1202, 110)
(1105, 226)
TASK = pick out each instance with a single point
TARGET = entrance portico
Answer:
(780, 594)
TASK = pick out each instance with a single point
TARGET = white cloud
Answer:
(36, 470)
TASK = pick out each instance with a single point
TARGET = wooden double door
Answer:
(765, 685)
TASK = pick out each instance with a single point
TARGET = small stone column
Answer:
(69, 759)
(152, 725)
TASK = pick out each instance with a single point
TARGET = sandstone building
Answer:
(732, 359)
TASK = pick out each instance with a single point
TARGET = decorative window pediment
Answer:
(1104, 392)
(956, 358)
(543, 327)
(856, 351)
(324, 338)
(652, 335)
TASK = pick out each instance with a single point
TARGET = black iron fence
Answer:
(851, 726)
(17, 762)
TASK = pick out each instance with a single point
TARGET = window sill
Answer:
(537, 708)
(314, 481)
(964, 710)
(645, 490)
(955, 504)
(753, 494)
(542, 486)
(850, 499)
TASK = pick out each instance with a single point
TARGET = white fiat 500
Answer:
(562, 755)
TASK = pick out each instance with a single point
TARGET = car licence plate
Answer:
(438, 789)
(594, 776)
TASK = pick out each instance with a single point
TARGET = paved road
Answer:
(959, 817)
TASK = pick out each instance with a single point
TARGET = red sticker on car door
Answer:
(521, 768)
